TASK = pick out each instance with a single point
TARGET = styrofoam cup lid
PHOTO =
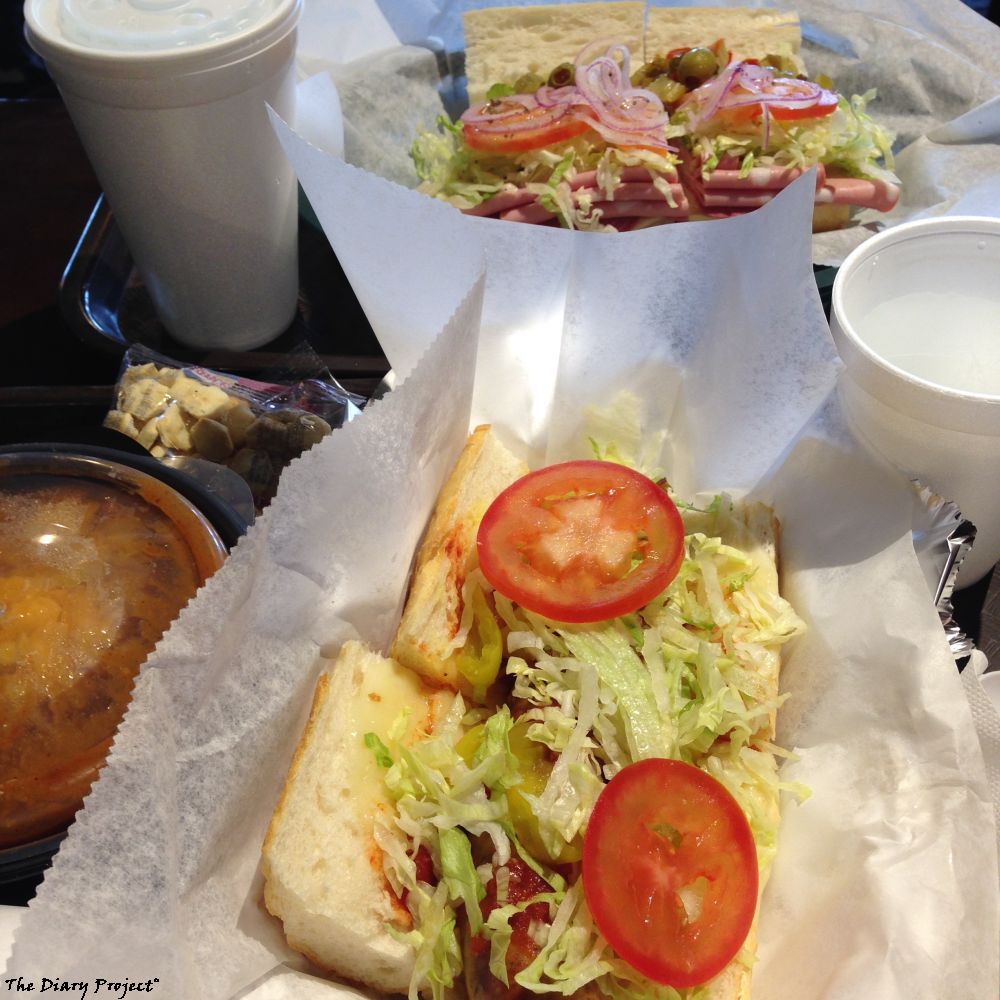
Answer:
(116, 31)
(128, 25)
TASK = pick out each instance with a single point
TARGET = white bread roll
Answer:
(502, 43)
(749, 32)
(322, 868)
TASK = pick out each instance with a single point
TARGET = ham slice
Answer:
(756, 179)
(636, 197)
(588, 178)
(635, 183)
(640, 209)
(732, 199)
(725, 191)
(858, 191)
(502, 202)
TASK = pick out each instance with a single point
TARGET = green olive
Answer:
(528, 83)
(696, 66)
(667, 90)
(563, 75)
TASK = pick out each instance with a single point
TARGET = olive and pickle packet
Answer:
(255, 428)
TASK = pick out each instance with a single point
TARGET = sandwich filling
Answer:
(688, 134)
(593, 771)
(584, 146)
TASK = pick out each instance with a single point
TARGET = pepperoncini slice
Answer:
(479, 660)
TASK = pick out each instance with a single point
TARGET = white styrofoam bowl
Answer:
(916, 319)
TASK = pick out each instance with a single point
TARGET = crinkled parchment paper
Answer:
(886, 878)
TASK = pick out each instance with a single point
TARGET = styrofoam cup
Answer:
(916, 319)
(169, 100)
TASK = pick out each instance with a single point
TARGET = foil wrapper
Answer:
(942, 538)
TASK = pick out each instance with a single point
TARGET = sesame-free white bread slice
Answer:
(432, 614)
(503, 43)
(749, 32)
(322, 868)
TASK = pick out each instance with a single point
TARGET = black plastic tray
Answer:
(105, 303)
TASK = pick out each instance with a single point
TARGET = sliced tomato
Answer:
(581, 541)
(520, 133)
(823, 107)
(522, 883)
(670, 871)
(825, 103)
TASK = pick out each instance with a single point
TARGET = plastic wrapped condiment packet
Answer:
(942, 538)
(254, 428)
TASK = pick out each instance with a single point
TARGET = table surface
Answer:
(55, 386)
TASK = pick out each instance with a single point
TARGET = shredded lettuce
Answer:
(616, 433)
(849, 140)
(499, 930)
(621, 670)
(452, 171)
(434, 939)
(382, 756)
(459, 873)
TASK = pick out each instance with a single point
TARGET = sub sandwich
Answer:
(563, 779)
(589, 117)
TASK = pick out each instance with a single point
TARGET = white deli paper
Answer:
(886, 878)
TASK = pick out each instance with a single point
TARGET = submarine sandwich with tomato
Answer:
(751, 129)
(563, 780)
(607, 142)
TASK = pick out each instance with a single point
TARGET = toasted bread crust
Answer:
(433, 611)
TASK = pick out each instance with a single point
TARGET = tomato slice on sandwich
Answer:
(670, 871)
(522, 131)
(744, 91)
(581, 541)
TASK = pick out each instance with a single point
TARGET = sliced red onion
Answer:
(630, 109)
(585, 55)
(549, 97)
(601, 94)
(514, 120)
(619, 137)
(746, 84)
(494, 111)
(705, 100)
(621, 50)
